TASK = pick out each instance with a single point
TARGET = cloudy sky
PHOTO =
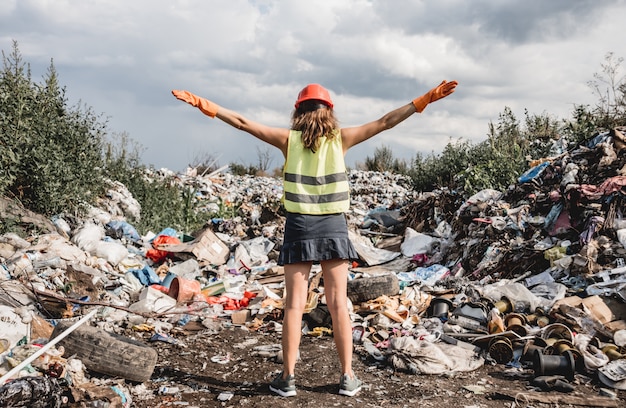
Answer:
(123, 57)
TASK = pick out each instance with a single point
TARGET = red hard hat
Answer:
(314, 91)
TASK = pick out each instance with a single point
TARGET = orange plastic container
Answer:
(184, 290)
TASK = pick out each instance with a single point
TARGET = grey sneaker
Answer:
(284, 388)
(349, 386)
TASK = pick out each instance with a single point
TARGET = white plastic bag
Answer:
(88, 236)
(113, 252)
(416, 243)
(517, 293)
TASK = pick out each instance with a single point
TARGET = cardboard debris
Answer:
(206, 247)
(593, 305)
(241, 316)
(12, 328)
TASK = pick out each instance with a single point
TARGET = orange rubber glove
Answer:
(440, 91)
(207, 107)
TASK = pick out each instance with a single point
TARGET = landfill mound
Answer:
(533, 278)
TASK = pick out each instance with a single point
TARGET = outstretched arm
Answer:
(355, 135)
(277, 137)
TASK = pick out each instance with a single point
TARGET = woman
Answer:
(316, 197)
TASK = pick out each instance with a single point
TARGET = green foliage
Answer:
(53, 159)
(228, 209)
(384, 160)
(56, 158)
(431, 172)
(495, 163)
(241, 169)
(9, 224)
(15, 93)
(500, 159)
(581, 127)
(163, 202)
(543, 136)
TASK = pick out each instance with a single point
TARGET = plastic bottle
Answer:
(184, 320)
(164, 390)
(231, 266)
(55, 262)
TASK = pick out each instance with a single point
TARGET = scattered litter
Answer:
(513, 277)
(225, 396)
(221, 358)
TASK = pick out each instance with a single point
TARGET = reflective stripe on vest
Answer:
(315, 183)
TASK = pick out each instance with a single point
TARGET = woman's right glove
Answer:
(441, 91)
(206, 106)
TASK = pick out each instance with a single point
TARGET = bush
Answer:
(56, 158)
(494, 163)
(163, 202)
(53, 153)
(384, 160)
(242, 170)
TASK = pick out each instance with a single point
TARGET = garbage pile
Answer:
(532, 277)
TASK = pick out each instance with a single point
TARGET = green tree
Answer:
(384, 160)
(583, 125)
(240, 169)
(436, 171)
(55, 156)
(542, 135)
(494, 163)
(16, 95)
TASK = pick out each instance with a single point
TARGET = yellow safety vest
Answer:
(315, 183)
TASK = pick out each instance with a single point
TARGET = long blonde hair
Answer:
(314, 121)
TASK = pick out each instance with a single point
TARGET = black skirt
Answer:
(315, 238)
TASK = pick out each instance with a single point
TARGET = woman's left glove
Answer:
(440, 91)
(206, 106)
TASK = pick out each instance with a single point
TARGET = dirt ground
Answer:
(224, 368)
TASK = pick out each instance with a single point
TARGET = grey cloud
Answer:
(123, 58)
(510, 21)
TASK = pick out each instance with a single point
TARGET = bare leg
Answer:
(335, 274)
(297, 286)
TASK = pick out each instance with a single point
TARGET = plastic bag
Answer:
(533, 173)
(88, 237)
(124, 229)
(32, 392)
(157, 255)
(416, 243)
(593, 357)
(427, 275)
(517, 293)
(113, 252)
(621, 237)
(146, 275)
